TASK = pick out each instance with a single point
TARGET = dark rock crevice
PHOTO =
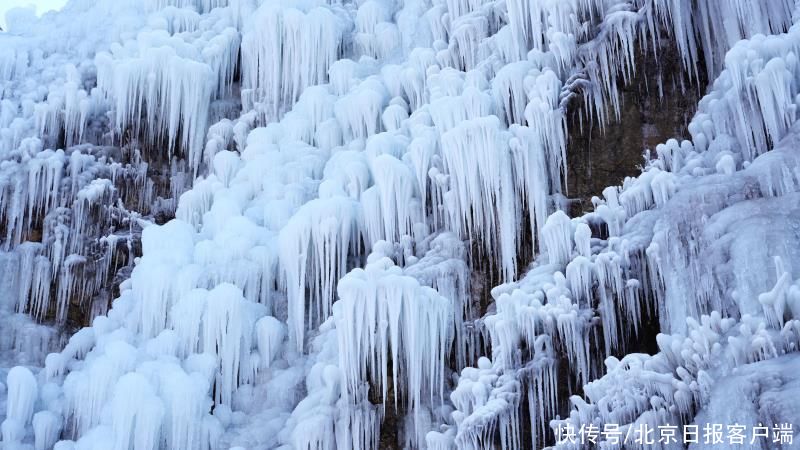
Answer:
(655, 105)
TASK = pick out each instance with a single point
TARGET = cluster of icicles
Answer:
(317, 276)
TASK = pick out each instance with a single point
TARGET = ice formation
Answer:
(275, 222)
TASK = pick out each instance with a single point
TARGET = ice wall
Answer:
(357, 170)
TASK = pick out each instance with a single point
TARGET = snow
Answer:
(347, 179)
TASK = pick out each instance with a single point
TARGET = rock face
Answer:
(657, 105)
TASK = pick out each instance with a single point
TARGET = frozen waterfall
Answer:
(345, 224)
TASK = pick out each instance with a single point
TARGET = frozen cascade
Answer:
(223, 334)
(383, 316)
(47, 427)
(383, 288)
(315, 244)
(482, 198)
(22, 386)
(305, 42)
(137, 414)
(345, 179)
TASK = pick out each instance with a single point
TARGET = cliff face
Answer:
(656, 106)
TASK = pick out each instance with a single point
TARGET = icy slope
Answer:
(354, 166)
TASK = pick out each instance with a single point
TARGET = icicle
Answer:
(482, 200)
(186, 406)
(315, 245)
(557, 236)
(186, 318)
(164, 245)
(223, 333)
(307, 44)
(22, 394)
(382, 314)
(508, 89)
(27, 274)
(583, 239)
(532, 180)
(226, 165)
(774, 301)
(581, 279)
(359, 112)
(175, 96)
(46, 429)
(482, 399)
(397, 208)
(444, 268)
(270, 334)
(136, 414)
